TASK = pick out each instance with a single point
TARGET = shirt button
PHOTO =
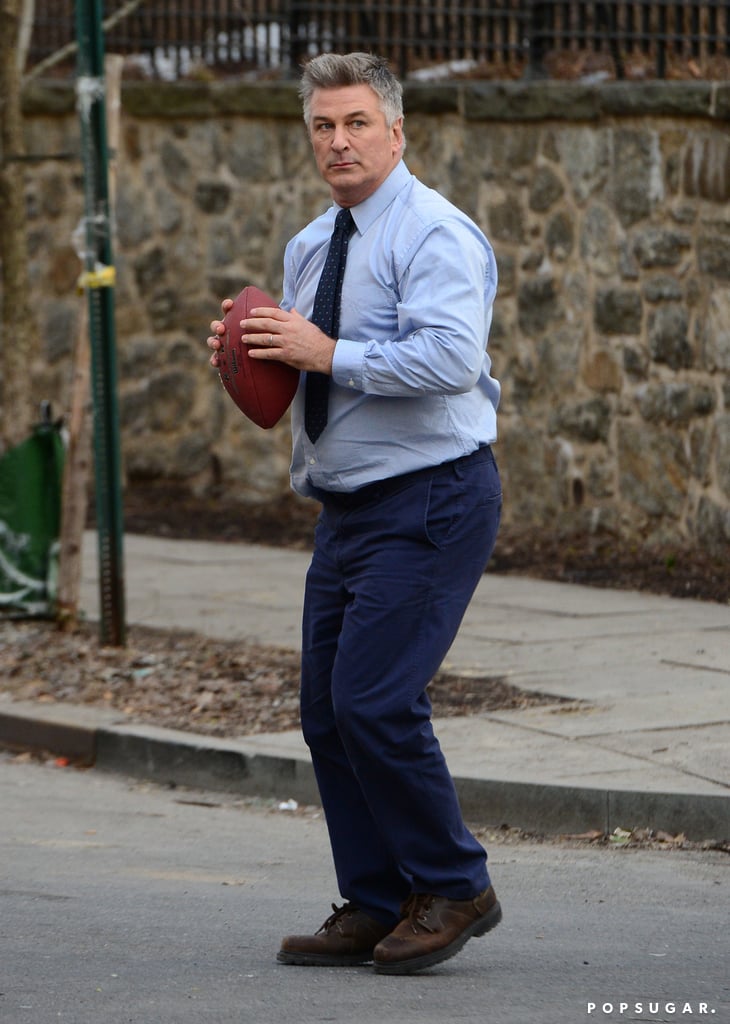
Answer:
(312, 461)
(351, 383)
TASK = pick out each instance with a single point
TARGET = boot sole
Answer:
(323, 959)
(480, 927)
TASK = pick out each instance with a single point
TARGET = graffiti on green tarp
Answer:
(30, 516)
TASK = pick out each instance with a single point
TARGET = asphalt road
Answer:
(125, 902)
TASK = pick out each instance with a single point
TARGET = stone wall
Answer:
(608, 210)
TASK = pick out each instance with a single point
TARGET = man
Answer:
(411, 499)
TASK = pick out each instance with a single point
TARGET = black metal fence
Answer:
(504, 39)
(644, 38)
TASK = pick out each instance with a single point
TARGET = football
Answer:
(263, 390)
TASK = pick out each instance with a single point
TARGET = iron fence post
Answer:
(537, 24)
(98, 281)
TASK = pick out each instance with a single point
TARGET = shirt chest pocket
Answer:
(370, 301)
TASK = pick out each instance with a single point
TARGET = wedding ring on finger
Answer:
(271, 340)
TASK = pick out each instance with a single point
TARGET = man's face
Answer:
(353, 146)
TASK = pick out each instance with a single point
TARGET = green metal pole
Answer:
(98, 280)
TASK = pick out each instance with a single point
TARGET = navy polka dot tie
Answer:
(326, 315)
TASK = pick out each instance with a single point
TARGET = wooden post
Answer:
(17, 410)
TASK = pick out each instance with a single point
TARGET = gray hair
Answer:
(334, 70)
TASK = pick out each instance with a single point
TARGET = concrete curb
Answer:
(171, 757)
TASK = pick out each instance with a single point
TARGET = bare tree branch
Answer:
(27, 17)
(70, 49)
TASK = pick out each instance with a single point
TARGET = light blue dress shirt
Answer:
(411, 384)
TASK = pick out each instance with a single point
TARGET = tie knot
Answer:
(344, 222)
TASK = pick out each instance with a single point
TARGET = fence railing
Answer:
(415, 36)
(640, 37)
(507, 39)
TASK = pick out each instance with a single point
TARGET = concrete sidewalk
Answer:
(644, 741)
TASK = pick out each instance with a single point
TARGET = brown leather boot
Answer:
(346, 938)
(433, 929)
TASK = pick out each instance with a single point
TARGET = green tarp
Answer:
(30, 516)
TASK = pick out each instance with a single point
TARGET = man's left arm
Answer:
(446, 290)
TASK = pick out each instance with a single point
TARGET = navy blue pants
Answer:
(393, 570)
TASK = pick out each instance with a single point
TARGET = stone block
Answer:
(529, 101)
(134, 223)
(588, 421)
(660, 247)
(661, 288)
(653, 470)
(723, 454)
(713, 525)
(60, 324)
(163, 309)
(545, 190)
(537, 304)
(506, 220)
(706, 170)
(149, 267)
(635, 360)
(636, 174)
(714, 332)
(618, 311)
(585, 158)
(668, 336)
(602, 372)
(560, 235)
(63, 270)
(662, 98)
(675, 402)
(170, 394)
(598, 239)
(713, 256)
(176, 166)
(212, 196)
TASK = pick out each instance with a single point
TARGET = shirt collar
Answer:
(368, 211)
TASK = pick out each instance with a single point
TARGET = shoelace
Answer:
(415, 908)
(339, 913)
